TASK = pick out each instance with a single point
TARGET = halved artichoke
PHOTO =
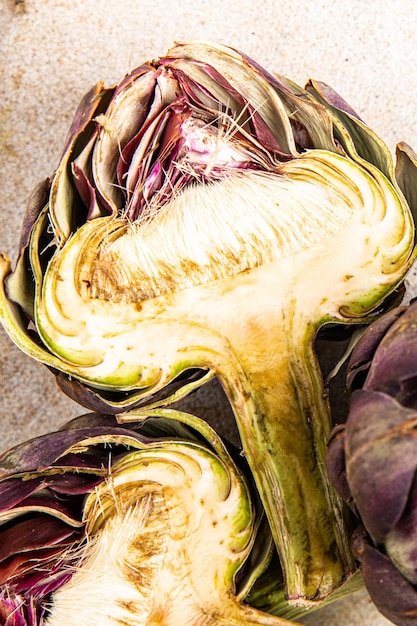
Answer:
(107, 524)
(206, 219)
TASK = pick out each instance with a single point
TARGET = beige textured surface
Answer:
(51, 51)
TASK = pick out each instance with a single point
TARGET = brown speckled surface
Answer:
(51, 51)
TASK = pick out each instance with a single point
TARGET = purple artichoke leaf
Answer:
(401, 543)
(406, 174)
(266, 138)
(268, 130)
(82, 169)
(73, 448)
(365, 349)
(34, 533)
(39, 453)
(393, 369)
(311, 123)
(138, 152)
(193, 74)
(37, 585)
(161, 428)
(114, 402)
(81, 172)
(151, 428)
(197, 94)
(68, 512)
(407, 392)
(130, 81)
(37, 201)
(93, 102)
(18, 492)
(22, 570)
(72, 484)
(15, 612)
(78, 457)
(331, 96)
(392, 594)
(14, 490)
(380, 433)
(53, 449)
(90, 420)
(195, 89)
(124, 115)
(149, 166)
(336, 464)
(64, 194)
(277, 81)
(373, 415)
(357, 139)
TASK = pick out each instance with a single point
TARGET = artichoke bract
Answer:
(372, 461)
(102, 523)
(206, 219)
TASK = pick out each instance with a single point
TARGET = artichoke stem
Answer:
(283, 417)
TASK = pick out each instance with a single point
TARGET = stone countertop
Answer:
(52, 51)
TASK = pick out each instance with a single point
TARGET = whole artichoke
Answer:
(372, 461)
(206, 219)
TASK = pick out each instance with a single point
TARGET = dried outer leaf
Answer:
(331, 96)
